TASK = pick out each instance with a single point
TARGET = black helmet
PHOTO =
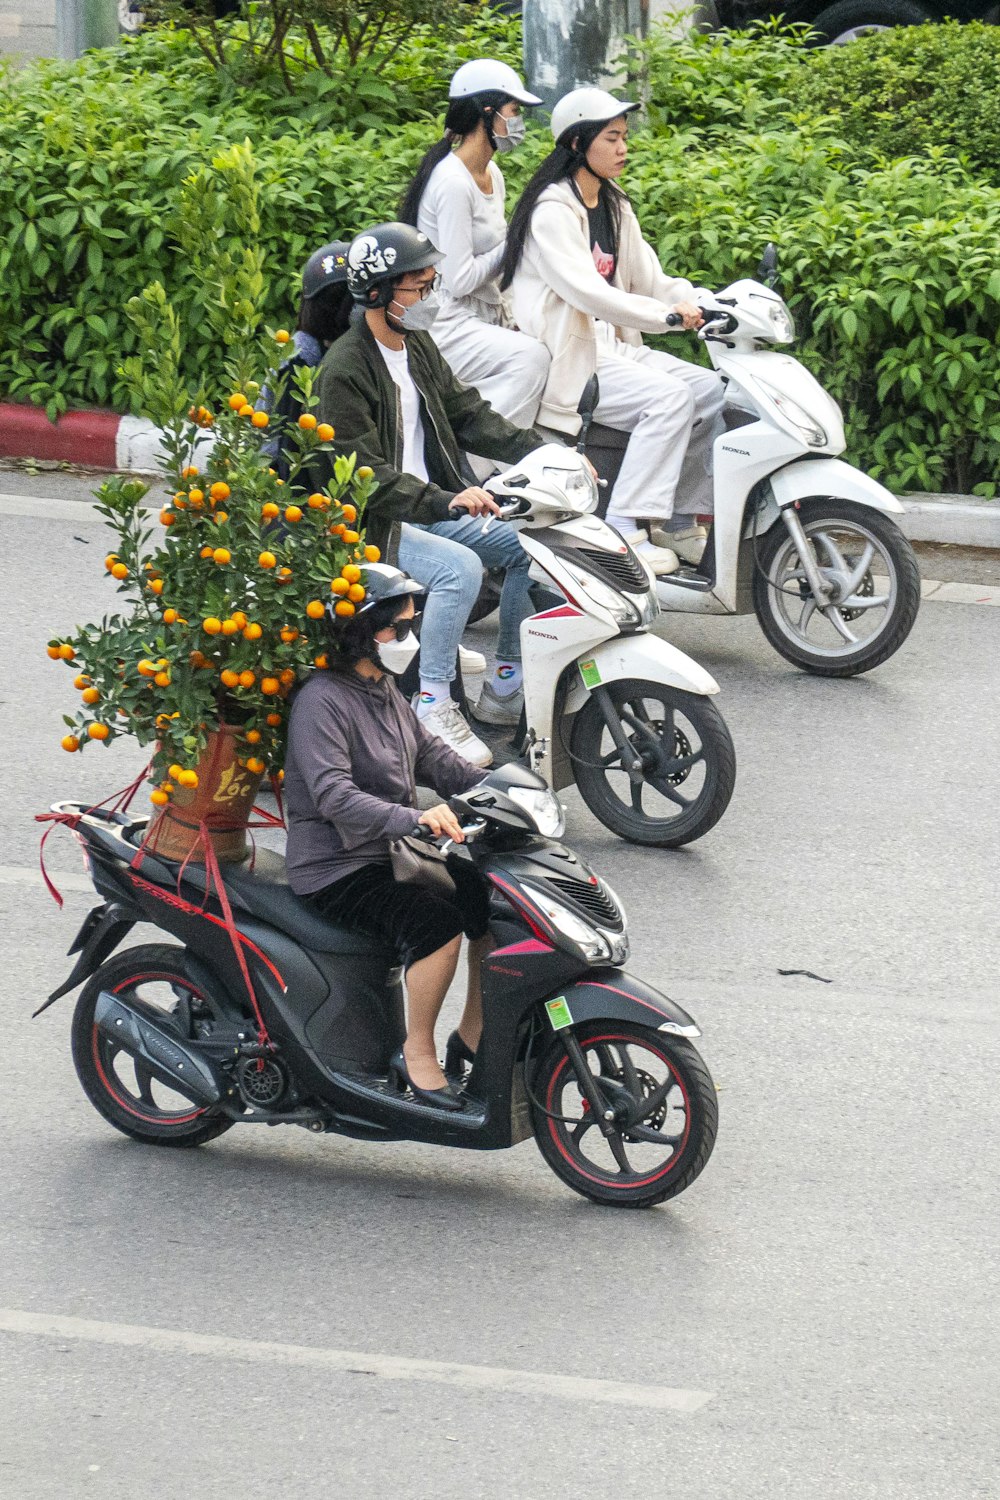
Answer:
(325, 267)
(380, 582)
(378, 257)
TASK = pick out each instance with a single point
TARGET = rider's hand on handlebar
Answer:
(476, 501)
(690, 314)
(441, 820)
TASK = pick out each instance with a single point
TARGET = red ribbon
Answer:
(120, 802)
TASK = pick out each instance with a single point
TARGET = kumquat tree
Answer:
(223, 592)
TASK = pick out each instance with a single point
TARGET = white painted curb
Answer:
(138, 449)
(960, 520)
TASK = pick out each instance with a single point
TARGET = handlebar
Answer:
(472, 829)
(514, 508)
(715, 318)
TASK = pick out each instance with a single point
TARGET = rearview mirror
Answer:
(587, 403)
(767, 271)
(586, 406)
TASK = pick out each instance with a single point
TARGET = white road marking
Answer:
(966, 593)
(80, 512)
(63, 880)
(530, 1383)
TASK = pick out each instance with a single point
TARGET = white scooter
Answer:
(621, 712)
(798, 536)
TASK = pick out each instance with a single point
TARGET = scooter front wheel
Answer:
(654, 764)
(664, 1105)
(874, 581)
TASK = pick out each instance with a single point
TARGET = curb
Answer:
(959, 520)
(93, 439)
(104, 440)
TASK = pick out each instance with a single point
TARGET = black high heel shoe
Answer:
(445, 1098)
(457, 1055)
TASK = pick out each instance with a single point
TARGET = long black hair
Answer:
(561, 165)
(327, 315)
(462, 118)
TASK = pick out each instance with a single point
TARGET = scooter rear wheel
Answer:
(117, 1085)
(666, 1112)
(689, 763)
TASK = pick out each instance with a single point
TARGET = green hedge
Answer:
(915, 90)
(891, 266)
(95, 156)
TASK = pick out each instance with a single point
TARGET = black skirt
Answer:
(413, 920)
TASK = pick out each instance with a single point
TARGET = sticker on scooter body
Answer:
(558, 1013)
(590, 672)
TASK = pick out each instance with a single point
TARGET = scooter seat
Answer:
(263, 890)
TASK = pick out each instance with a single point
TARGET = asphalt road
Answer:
(823, 1298)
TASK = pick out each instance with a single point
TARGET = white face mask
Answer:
(419, 317)
(516, 131)
(395, 656)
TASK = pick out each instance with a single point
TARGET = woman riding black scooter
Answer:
(355, 750)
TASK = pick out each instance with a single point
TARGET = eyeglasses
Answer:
(402, 628)
(425, 290)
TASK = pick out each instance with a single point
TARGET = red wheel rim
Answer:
(580, 1164)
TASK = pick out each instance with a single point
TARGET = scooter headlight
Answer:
(578, 485)
(814, 435)
(607, 598)
(782, 322)
(543, 808)
(594, 947)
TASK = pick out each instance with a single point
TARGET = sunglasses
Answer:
(402, 628)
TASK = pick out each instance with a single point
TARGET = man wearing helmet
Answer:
(395, 402)
(584, 281)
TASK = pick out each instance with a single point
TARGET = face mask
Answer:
(395, 656)
(419, 317)
(516, 131)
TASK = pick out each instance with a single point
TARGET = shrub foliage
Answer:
(887, 237)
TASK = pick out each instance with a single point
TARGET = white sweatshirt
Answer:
(559, 296)
(468, 225)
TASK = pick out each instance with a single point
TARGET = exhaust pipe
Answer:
(163, 1053)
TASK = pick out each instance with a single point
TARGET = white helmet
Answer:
(587, 106)
(484, 76)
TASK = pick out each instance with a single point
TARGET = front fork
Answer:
(603, 1115)
(631, 760)
(821, 590)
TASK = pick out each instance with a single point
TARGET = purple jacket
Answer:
(354, 748)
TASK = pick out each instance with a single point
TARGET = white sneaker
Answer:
(473, 663)
(662, 560)
(445, 720)
(492, 709)
(688, 544)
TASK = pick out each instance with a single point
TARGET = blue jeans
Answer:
(499, 547)
(452, 576)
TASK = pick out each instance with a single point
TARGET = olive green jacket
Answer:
(360, 400)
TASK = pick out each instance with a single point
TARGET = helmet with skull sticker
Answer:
(380, 256)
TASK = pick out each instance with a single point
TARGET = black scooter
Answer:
(268, 1014)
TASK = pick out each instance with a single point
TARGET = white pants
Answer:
(658, 399)
(507, 368)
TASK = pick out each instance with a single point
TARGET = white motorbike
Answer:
(798, 536)
(621, 712)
